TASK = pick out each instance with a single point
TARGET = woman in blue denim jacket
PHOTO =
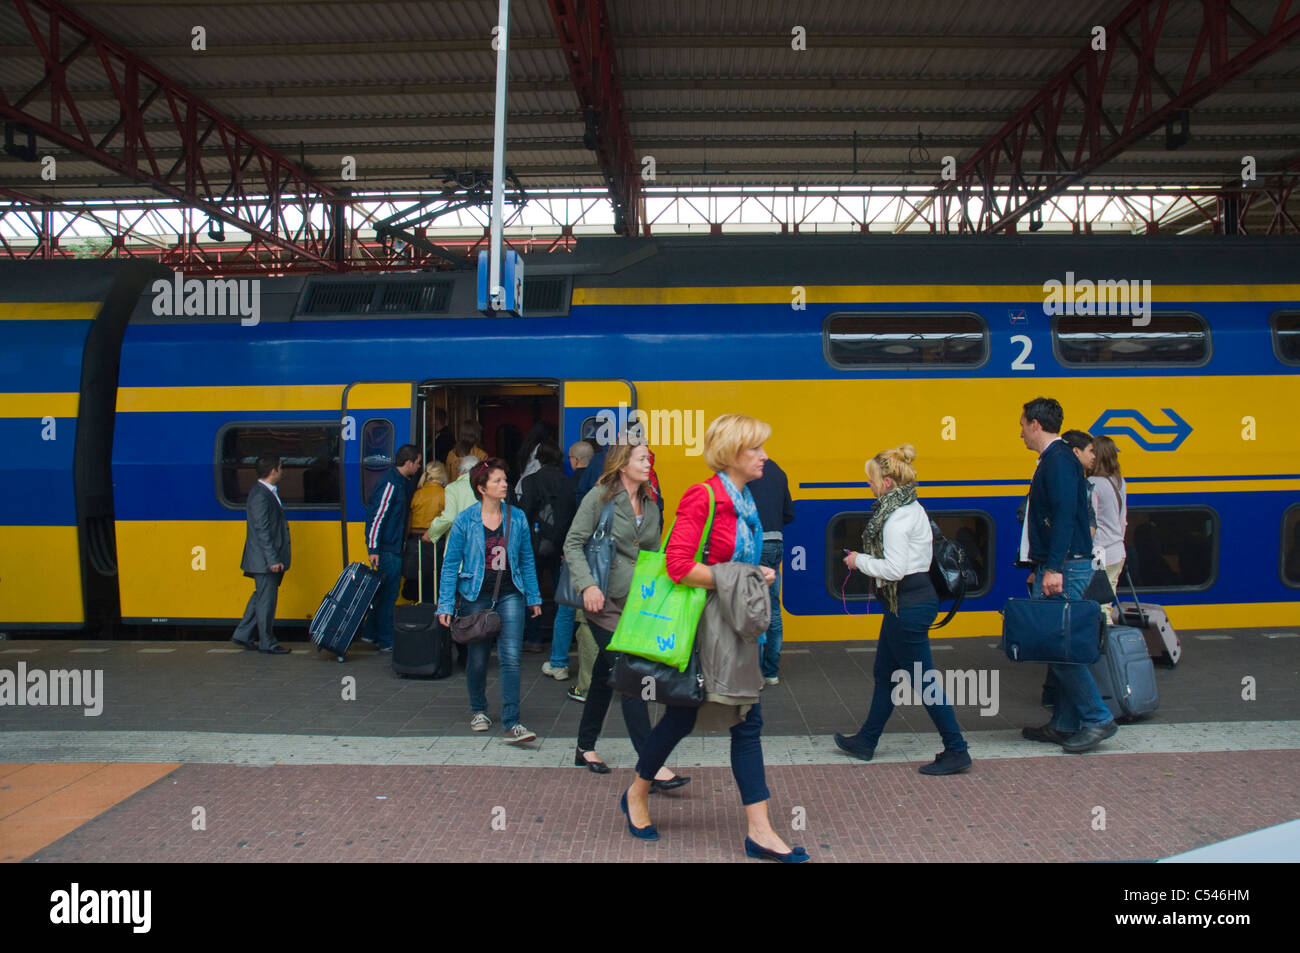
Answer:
(478, 554)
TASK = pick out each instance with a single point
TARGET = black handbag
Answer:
(657, 682)
(599, 550)
(950, 571)
(486, 623)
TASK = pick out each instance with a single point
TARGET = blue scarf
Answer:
(749, 529)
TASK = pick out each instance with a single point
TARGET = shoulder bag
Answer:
(599, 550)
(486, 623)
(950, 571)
(659, 621)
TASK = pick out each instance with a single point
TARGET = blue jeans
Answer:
(562, 635)
(904, 641)
(746, 749)
(770, 652)
(509, 643)
(379, 624)
(1078, 702)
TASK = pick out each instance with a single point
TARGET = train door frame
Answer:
(378, 412)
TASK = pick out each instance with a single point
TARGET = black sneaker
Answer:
(1088, 737)
(854, 747)
(947, 762)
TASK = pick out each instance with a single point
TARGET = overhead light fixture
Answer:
(26, 152)
(1178, 129)
(216, 230)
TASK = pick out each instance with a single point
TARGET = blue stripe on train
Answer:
(776, 344)
(37, 474)
(1247, 568)
(164, 465)
(39, 357)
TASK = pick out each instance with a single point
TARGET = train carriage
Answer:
(845, 345)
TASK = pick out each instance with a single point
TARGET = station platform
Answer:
(205, 752)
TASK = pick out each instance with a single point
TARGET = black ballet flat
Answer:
(671, 784)
(597, 767)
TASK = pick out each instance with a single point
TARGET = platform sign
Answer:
(512, 279)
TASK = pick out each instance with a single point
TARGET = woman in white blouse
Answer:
(898, 545)
(1110, 503)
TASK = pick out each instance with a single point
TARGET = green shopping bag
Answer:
(660, 617)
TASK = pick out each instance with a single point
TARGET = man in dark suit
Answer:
(266, 558)
(771, 494)
(1056, 543)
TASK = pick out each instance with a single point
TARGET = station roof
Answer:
(714, 91)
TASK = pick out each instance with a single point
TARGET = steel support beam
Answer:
(1034, 158)
(587, 39)
(220, 167)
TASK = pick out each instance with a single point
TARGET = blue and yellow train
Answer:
(134, 406)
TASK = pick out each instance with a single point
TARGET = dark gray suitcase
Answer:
(336, 622)
(1162, 641)
(421, 645)
(1125, 675)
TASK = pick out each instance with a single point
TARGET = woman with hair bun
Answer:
(899, 544)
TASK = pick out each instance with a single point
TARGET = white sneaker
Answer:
(558, 672)
(771, 681)
(518, 734)
(480, 722)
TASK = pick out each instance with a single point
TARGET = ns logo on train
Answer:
(1114, 423)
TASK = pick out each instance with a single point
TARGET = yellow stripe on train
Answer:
(49, 310)
(908, 294)
(40, 576)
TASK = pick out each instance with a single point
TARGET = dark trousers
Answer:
(548, 571)
(379, 623)
(259, 614)
(746, 749)
(904, 641)
(636, 713)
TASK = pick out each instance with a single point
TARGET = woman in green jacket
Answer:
(635, 526)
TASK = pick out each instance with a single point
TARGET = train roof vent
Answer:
(416, 297)
(549, 295)
(339, 297)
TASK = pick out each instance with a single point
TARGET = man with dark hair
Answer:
(1056, 544)
(385, 536)
(266, 557)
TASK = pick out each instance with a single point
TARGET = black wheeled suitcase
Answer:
(1162, 641)
(421, 645)
(336, 622)
(1125, 675)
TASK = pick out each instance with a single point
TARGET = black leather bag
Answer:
(486, 623)
(599, 550)
(665, 684)
(950, 572)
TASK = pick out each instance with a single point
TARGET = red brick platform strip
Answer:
(1007, 810)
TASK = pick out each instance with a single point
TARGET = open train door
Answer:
(378, 417)
(594, 409)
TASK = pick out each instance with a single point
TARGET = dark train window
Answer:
(309, 454)
(1291, 547)
(376, 453)
(905, 339)
(971, 528)
(1170, 547)
(1174, 338)
(1286, 336)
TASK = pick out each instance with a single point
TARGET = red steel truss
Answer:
(1032, 158)
(221, 166)
(587, 39)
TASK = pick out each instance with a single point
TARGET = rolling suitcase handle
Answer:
(1142, 616)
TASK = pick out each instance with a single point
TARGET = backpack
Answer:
(551, 522)
(950, 572)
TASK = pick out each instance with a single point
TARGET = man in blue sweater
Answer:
(775, 510)
(385, 535)
(1056, 544)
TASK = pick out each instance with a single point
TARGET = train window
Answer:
(905, 339)
(376, 454)
(1172, 547)
(309, 454)
(1286, 336)
(973, 529)
(1291, 547)
(1175, 338)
